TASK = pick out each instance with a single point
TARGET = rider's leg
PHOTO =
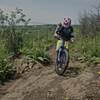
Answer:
(66, 45)
(59, 43)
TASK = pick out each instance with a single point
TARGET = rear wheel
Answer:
(62, 61)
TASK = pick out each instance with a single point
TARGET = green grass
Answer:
(86, 49)
(36, 43)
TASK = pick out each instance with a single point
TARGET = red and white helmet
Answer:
(67, 22)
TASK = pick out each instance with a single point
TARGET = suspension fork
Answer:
(60, 50)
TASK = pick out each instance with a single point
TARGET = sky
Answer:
(50, 11)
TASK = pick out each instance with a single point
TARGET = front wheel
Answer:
(62, 61)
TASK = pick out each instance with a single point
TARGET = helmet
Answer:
(67, 22)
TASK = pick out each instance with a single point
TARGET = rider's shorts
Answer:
(59, 43)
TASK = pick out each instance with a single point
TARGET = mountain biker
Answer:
(64, 31)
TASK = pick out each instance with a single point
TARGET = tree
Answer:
(9, 24)
(90, 22)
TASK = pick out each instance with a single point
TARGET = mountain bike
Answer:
(62, 59)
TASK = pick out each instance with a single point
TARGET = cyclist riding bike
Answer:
(64, 31)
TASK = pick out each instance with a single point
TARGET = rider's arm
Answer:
(56, 34)
(72, 32)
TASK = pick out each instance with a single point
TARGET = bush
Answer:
(90, 22)
(5, 70)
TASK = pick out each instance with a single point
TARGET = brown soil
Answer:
(42, 83)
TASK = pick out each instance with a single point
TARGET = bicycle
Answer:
(62, 59)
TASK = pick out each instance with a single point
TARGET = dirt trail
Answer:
(42, 83)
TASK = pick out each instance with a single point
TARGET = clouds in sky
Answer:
(49, 11)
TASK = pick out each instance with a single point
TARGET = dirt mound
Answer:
(93, 90)
(42, 83)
